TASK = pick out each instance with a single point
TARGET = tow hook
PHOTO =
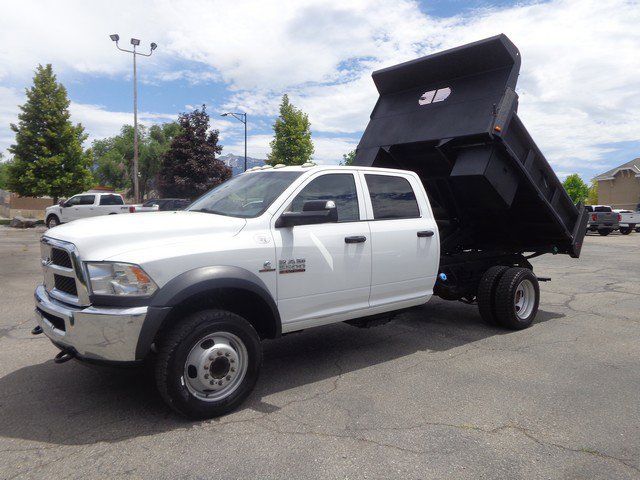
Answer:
(63, 356)
(37, 330)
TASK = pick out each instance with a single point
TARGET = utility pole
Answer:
(241, 117)
(135, 42)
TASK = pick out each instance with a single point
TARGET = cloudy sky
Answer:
(579, 84)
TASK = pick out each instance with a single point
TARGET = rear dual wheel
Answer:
(508, 297)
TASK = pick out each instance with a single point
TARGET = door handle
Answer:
(356, 239)
(425, 233)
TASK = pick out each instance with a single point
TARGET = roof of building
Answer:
(633, 165)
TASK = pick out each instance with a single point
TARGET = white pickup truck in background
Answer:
(629, 221)
(84, 205)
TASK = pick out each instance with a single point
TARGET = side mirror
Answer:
(61, 203)
(313, 212)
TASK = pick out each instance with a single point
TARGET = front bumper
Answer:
(107, 334)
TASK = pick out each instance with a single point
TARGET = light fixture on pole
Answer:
(242, 117)
(135, 42)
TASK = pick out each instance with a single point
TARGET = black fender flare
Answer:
(193, 282)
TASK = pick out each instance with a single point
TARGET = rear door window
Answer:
(391, 197)
(111, 200)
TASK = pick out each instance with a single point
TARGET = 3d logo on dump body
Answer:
(433, 96)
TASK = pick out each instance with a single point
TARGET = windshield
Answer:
(246, 196)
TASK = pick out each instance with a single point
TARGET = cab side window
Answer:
(73, 201)
(339, 187)
(87, 199)
(392, 197)
(111, 200)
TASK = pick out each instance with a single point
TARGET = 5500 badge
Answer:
(293, 265)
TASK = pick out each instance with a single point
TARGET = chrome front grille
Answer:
(63, 272)
(61, 258)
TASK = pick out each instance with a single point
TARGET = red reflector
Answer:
(132, 209)
(594, 217)
(619, 217)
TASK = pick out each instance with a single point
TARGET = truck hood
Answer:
(99, 238)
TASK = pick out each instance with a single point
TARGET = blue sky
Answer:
(579, 85)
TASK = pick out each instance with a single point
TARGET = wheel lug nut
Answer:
(228, 377)
(220, 382)
(211, 382)
(211, 357)
(206, 375)
(227, 354)
(233, 369)
(232, 361)
(219, 353)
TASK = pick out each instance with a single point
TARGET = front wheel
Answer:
(517, 297)
(52, 221)
(208, 364)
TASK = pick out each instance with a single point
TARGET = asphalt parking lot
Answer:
(433, 394)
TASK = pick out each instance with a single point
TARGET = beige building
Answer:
(620, 186)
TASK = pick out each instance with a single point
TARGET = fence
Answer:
(12, 205)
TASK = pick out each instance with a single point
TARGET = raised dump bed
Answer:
(451, 117)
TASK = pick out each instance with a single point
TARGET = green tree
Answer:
(576, 188)
(291, 144)
(592, 198)
(4, 173)
(348, 158)
(190, 167)
(48, 158)
(113, 156)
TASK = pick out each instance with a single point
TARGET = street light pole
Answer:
(242, 117)
(135, 42)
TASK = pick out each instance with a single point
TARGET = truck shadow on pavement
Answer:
(72, 404)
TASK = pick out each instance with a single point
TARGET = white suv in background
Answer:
(84, 205)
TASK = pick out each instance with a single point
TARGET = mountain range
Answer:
(236, 163)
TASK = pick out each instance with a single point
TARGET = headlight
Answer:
(119, 279)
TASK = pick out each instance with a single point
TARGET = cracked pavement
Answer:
(433, 394)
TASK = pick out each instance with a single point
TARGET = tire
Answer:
(625, 230)
(486, 293)
(517, 297)
(52, 221)
(184, 366)
(604, 231)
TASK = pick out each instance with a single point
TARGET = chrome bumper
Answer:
(109, 334)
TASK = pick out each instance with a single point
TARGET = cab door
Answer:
(323, 270)
(69, 210)
(404, 238)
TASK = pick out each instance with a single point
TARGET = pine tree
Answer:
(348, 158)
(291, 144)
(190, 167)
(48, 158)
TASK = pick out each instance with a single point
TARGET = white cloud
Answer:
(99, 122)
(579, 85)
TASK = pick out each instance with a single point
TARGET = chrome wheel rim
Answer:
(524, 299)
(215, 366)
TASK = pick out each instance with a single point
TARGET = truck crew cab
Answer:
(85, 205)
(280, 249)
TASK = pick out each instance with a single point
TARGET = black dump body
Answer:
(490, 187)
